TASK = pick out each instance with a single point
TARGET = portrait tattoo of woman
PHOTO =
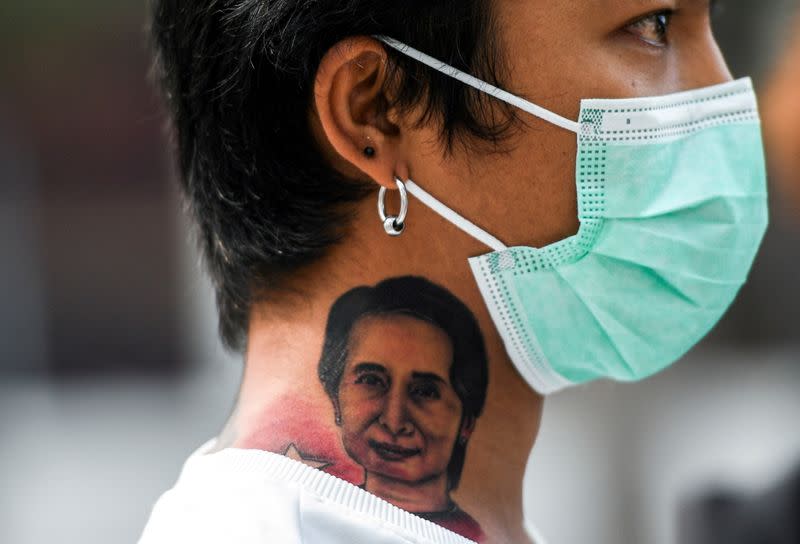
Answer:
(405, 367)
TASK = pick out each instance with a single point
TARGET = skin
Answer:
(781, 113)
(557, 52)
(396, 390)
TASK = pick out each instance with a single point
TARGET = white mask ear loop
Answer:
(467, 226)
(482, 86)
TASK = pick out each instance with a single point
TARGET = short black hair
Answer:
(238, 76)
(416, 297)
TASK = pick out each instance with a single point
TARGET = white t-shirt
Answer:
(241, 496)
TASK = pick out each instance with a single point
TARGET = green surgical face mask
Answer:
(672, 204)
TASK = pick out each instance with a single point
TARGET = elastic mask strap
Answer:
(467, 226)
(482, 86)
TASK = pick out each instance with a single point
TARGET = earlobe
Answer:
(467, 427)
(337, 414)
(351, 105)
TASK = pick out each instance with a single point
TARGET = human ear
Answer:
(467, 427)
(337, 412)
(351, 106)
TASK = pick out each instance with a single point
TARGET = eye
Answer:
(425, 390)
(371, 380)
(652, 29)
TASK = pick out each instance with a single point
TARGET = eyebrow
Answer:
(369, 367)
(710, 3)
(375, 367)
(428, 376)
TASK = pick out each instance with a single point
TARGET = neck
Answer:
(427, 496)
(283, 407)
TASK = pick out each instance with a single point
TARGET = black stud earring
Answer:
(369, 151)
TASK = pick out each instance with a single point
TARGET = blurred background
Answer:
(111, 372)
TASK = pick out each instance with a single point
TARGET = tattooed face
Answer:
(400, 415)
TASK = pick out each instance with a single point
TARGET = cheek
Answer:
(438, 422)
(360, 414)
(546, 188)
(357, 409)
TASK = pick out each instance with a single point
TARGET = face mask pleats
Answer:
(672, 205)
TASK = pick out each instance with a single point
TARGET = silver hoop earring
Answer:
(393, 224)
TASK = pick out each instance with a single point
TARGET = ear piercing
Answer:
(369, 151)
(393, 224)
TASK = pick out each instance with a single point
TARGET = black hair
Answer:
(419, 298)
(237, 76)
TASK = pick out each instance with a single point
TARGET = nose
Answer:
(706, 65)
(394, 417)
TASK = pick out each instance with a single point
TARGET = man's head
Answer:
(239, 79)
(405, 366)
(275, 101)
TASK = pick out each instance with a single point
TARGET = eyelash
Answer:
(371, 380)
(428, 392)
(661, 20)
